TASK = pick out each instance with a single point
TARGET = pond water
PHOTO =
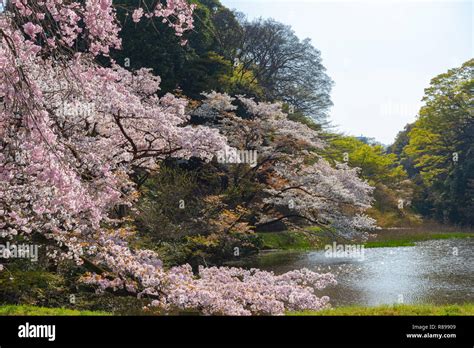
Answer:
(436, 271)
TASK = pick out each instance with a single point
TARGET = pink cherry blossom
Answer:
(137, 15)
(31, 29)
(73, 135)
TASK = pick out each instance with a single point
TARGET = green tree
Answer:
(288, 69)
(376, 165)
(393, 190)
(191, 68)
(441, 146)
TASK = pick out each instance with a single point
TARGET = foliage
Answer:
(170, 202)
(440, 146)
(205, 63)
(375, 164)
(287, 68)
(228, 54)
(33, 287)
(393, 191)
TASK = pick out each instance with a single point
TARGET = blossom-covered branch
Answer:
(73, 134)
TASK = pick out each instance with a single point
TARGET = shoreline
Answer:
(314, 240)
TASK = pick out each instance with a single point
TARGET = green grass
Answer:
(394, 310)
(291, 240)
(314, 239)
(399, 241)
(386, 310)
(14, 310)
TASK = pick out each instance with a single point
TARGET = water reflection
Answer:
(438, 271)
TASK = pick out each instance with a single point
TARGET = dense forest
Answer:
(183, 144)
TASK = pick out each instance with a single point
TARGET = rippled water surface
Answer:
(437, 271)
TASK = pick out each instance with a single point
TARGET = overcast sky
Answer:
(381, 54)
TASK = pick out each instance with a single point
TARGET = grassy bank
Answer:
(314, 239)
(396, 241)
(387, 310)
(9, 310)
(293, 240)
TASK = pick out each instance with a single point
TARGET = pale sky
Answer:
(381, 54)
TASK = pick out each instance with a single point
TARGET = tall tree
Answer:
(287, 68)
(191, 68)
(441, 146)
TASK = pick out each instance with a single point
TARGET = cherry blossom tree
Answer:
(74, 136)
(299, 184)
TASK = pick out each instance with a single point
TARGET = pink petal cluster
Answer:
(32, 29)
(65, 23)
(213, 291)
(137, 15)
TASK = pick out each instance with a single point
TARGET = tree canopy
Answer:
(439, 147)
